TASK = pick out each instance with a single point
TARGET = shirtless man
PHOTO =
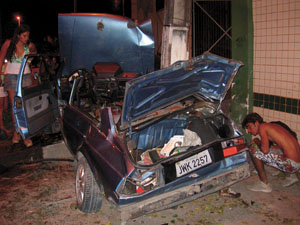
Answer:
(283, 153)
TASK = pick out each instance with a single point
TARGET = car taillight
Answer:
(233, 146)
(140, 190)
(142, 181)
(230, 151)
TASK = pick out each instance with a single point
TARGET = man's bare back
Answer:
(281, 137)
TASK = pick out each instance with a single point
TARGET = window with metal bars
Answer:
(212, 27)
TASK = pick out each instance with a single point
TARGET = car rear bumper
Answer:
(185, 194)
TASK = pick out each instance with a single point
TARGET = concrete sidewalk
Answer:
(10, 155)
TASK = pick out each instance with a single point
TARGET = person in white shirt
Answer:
(13, 50)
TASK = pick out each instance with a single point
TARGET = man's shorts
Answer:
(275, 158)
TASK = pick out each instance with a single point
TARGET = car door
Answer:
(36, 106)
(89, 128)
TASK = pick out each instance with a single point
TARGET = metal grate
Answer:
(212, 27)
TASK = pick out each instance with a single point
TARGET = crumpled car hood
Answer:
(87, 38)
(208, 75)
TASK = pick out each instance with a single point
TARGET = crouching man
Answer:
(277, 147)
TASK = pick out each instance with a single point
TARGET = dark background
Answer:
(42, 15)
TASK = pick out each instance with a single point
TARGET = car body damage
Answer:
(185, 194)
(165, 142)
(86, 39)
(114, 49)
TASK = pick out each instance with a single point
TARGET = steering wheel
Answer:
(76, 73)
(85, 88)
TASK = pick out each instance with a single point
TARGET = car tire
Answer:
(88, 194)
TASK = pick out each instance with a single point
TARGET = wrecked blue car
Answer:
(167, 142)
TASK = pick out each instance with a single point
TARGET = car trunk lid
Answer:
(208, 75)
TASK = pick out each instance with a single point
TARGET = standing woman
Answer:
(13, 51)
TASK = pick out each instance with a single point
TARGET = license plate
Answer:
(192, 163)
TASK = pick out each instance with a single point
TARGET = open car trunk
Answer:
(181, 128)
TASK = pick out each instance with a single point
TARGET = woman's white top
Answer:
(13, 67)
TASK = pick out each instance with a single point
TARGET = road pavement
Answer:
(43, 193)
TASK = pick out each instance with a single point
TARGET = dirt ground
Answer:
(43, 193)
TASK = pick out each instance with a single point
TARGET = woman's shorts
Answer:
(275, 158)
(10, 81)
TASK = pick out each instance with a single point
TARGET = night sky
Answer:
(41, 15)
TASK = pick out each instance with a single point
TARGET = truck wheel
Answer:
(88, 194)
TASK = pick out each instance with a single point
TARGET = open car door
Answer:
(35, 107)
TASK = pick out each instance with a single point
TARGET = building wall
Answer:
(242, 49)
(276, 63)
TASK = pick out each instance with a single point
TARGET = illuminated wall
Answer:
(276, 62)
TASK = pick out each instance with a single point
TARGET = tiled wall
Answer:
(276, 65)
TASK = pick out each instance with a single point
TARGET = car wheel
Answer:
(88, 194)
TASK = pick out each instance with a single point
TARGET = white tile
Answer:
(297, 45)
(262, 90)
(294, 118)
(296, 94)
(278, 91)
(282, 115)
(284, 54)
(291, 47)
(297, 28)
(289, 94)
(285, 16)
(272, 84)
(272, 91)
(290, 78)
(276, 114)
(297, 54)
(297, 5)
(295, 62)
(279, 69)
(297, 21)
(273, 69)
(284, 68)
(295, 86)
(284, 78)
(293, 126)
(271, 113)
(296, 37)
(278, 84)
(285, 21)
(285, 8)
(283, 92)
(285, 46)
